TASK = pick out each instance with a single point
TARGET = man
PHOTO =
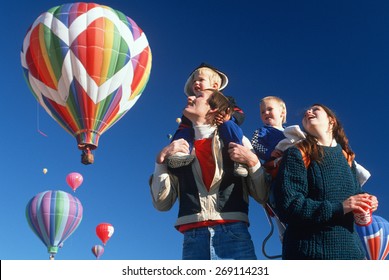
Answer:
(213, 203)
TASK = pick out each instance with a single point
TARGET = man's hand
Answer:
(242, 154)
(179, 145)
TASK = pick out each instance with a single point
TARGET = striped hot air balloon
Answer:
(87, 65)
(375, 238)
(98, 251)
(53, 216)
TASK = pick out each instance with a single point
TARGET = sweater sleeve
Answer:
(291, 190)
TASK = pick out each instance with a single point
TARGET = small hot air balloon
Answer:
(74, 180)
(104, 231)
(44, 170)
(87, 65)
(178, 120)
(169, 136)
(98, 251)
(375, 238)
(53, 216)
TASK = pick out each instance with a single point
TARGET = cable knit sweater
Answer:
(310, 200)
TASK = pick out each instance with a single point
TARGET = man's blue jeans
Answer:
(231, 241)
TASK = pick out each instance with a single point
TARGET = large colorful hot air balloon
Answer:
(98, 251)
(87, 65)
(375, 238)
(53, 216)
(74, 180)
(104, 231)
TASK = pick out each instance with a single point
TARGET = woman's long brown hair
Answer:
(310, 147)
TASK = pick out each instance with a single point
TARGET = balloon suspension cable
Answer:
(269, 219)
(37, 120)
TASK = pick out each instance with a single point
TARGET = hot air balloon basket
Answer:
(87, 158)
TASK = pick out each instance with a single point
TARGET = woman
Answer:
(317, 199)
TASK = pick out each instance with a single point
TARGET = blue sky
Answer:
(331, 52)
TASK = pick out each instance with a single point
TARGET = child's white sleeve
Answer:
(293, 135)
(362, 174)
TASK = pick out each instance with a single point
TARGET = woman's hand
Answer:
(360, 202)
(373, 203)
(276, 153)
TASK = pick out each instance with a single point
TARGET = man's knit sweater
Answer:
(310, 201)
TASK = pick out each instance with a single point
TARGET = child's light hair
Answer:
(214, 77)
(279, 101)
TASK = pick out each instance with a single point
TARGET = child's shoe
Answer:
(240, 170)
(179, 160)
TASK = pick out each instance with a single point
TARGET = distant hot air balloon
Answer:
(53, 216)
(98, 251)
(87, 65)
(178, 120)
(74, 180)
(104, 231)
(44, 170)
(375, 238)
